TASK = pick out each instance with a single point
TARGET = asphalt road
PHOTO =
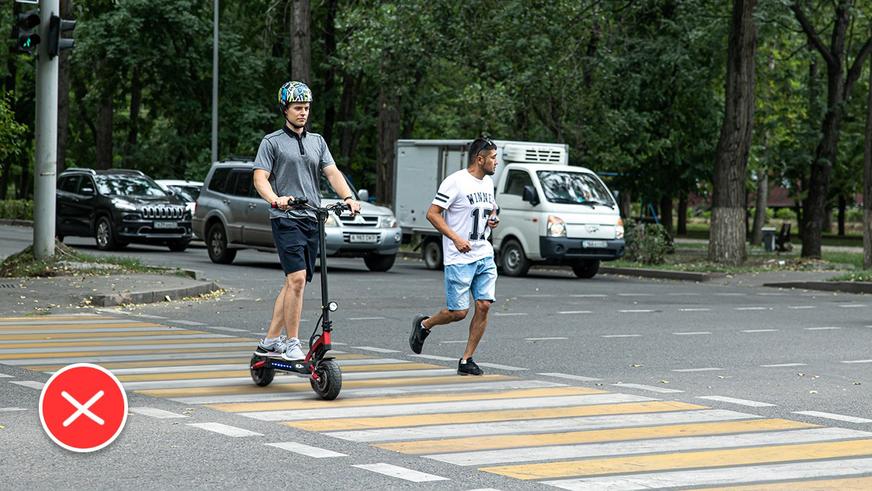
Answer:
(772, 353)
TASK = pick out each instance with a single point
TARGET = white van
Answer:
(550, 212)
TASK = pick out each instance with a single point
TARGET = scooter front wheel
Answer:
(264, 375)
(329, 381)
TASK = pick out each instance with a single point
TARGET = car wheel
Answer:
(377, 262)
(586, 269)
(217, 244)
(104, 235)
(178, 245)
(513, 260)
(431, 252)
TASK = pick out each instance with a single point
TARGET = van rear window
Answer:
(218, 183)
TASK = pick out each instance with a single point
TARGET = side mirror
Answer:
(530, 195)
(363, 194)
(88, 191)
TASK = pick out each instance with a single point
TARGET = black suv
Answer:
(119, 206)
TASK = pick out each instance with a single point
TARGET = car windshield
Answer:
(574, 188)
(327, 191)
(187, 193)
(127, 185)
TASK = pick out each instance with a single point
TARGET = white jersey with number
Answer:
(468, 202)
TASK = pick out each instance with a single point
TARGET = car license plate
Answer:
(594, 244)
(363, 238)
(165, 225)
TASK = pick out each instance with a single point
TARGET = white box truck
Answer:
(550, 212)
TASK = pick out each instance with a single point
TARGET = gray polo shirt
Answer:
(295, 164)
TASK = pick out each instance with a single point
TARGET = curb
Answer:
(662, 274)
(152, 296)
(16, 222)
(827, 286)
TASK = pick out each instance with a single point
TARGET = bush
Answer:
(785, 214)
(854, 215)
(16, 209)
(647, 243)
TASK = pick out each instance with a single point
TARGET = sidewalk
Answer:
(30, 295)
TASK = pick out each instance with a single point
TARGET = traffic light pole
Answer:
(46, 139)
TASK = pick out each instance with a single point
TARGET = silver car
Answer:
(230, 215)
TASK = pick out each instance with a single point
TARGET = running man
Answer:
(464, 211)
(289, 164)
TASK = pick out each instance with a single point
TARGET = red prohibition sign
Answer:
(83, 407)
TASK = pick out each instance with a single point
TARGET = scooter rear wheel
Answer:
(261, 376)
(329, 381)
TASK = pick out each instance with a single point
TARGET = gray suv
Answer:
(230, 215)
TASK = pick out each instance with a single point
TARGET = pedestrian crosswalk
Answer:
(558, 434)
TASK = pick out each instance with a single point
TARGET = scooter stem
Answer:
(325, 310)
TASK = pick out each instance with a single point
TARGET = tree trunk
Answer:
(301, 43)
(388, 131)
(103, 134)
(760, 206)
(666, 213)
(843, 205)
(24, 183)
(867, 179)
(66, 9)
(347, 136)
(135, 102)
(727, 237)
(682, 215)
(330, 74)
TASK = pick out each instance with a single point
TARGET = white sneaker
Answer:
(293, 351)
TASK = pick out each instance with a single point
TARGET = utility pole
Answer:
(46, 138)
(215, 81)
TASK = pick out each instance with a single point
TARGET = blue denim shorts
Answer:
(480, 277)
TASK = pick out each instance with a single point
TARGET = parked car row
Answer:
(118, 207)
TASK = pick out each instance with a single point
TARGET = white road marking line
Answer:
(826, 328)
(719, 476)
(569, 312)
(636, 311)
(400, 472)
(400, 409)
(372, 392)
(187, 323)
(750, 308)
(695, 310)
(98, 329)
(509, 314)
(377, 350)
(49, 321)
(151, 357)
(3, 375)
(229, 329)
(837, 417)
(758, 330)
(731, 294)
(147, 316)
(635, 294)
(460, 341)
(707, 369)
(857, 361)
(33, 384)
(782, 365)
(366, 318)
(801, 307)
(11, 409)
(589, 295)
(176, 369)
(692, 333)
(501, 367)
(154, 412)
(130, 338)
(436, 357)
(225, 429)
(97, 347)
(772, 294)
(539, 426)
(852, 305)
(661, 390)
(622, 335)
(307, 450)
(592, 450)
(569, 376)
(674, 294)
(732, 400)
(556, 338)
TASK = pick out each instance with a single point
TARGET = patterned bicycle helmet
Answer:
(294, 92)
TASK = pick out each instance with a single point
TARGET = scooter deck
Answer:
(297, 367)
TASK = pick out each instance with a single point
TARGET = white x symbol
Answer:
(82, 408)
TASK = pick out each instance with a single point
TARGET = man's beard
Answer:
(489, 172)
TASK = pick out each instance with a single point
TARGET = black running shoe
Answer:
(468, 368)
(419, 334)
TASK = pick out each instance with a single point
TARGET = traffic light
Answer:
(26, 30)
(56, 28)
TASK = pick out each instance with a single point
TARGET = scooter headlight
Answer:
(556, 226)
(332, 306)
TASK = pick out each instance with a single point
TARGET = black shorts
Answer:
(297, 244)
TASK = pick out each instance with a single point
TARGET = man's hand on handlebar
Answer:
(353, 206)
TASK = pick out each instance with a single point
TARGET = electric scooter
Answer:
(322, 371)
